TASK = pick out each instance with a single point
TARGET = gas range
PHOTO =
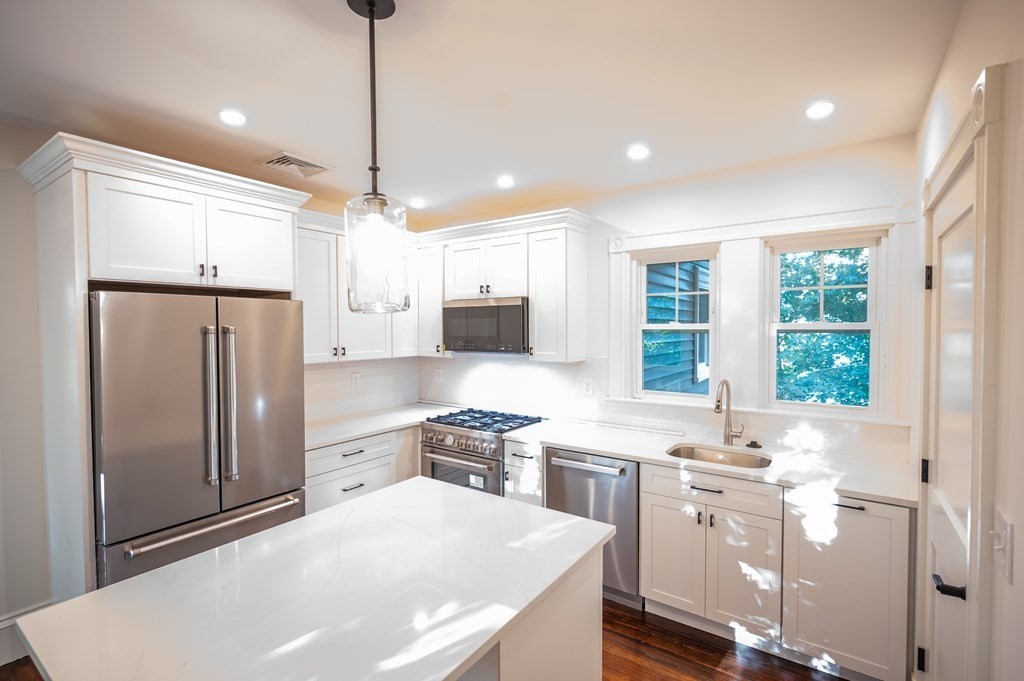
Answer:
(473, 431)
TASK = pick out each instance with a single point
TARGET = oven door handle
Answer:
(459, 462)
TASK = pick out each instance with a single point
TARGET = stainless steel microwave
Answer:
(486, 325)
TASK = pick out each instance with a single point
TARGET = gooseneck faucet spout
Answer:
(729, 435)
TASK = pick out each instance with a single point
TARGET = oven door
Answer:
(462, 469)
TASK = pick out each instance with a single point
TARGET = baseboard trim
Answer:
(9, 618)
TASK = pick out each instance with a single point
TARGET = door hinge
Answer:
(921, 654)
(924, 469)
(928, 277)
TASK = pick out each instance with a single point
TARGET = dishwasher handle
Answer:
(591, 467)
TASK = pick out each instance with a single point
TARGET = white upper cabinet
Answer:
(316, 278)
(405, 341)
(360, 336)
(846, 572)
(144, 232)
(431, 298)
(249, 246)
(557, 296)
(487, 268)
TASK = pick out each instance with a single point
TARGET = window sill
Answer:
(708, 404)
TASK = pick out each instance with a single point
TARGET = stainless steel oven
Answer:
(465, 448)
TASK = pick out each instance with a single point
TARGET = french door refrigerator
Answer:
(197, 424)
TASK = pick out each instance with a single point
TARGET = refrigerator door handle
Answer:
(212, 437)
(136, 549)
(232, 405)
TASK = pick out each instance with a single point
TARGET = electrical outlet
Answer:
(355, 379)
(438, 375)
(588, 386)
(1002, 537)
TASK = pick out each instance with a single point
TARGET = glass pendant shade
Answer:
(376, 267)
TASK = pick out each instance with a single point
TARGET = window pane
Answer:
(695, 275)
(661, 278)
(693, 309)
(846, 305)
(848, 266)
(800, 269)
(824, 367)
(800, 306)
(661, 309)
(676, 361)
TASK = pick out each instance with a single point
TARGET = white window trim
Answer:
(707, 252)
(878, 266)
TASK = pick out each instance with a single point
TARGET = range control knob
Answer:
(449, 439)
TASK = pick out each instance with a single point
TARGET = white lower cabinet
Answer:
(524, 472)
(846, 573)
(708, 560)
(344, 471)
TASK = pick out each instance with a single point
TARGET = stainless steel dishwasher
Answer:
(604, 489)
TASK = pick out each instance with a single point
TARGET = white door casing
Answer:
(961, 199)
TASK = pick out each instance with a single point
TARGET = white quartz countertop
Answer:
(861, 478)
(364, 424)
(416, 581)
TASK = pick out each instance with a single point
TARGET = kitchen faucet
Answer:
(729, 435)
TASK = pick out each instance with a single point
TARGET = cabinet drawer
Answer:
(747, 496)
(334, 457)
(348, 483)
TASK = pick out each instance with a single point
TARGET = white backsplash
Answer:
(381, 384)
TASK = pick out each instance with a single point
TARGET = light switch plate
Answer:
(1002, 538)
(588, 386)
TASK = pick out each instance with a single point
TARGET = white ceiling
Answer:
(551, 92)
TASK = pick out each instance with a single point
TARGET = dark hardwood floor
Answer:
(639, 647)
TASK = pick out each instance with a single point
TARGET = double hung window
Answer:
(824, 329)
(676, 329)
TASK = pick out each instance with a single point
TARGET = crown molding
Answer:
(64, 152)
(563, 217)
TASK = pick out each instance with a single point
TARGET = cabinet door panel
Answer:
(250, 246)
(360, 336)
(672, 552)
(144, 232)
(846, 577)
(464, 275)
(505, 261)
(431, 298)
(547, 296)
(316, 286)
(405, 340)
(744, 571)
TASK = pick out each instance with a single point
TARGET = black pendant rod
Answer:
(374, 168)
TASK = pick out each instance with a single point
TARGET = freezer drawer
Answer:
(121, 561)
(603, 489)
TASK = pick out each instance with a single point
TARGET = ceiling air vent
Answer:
(294, 165)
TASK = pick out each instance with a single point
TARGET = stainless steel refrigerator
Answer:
(198, 433)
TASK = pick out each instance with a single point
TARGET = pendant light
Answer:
(375, 228)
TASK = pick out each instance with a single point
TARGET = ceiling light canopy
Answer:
(375, 227)
(819, 110)
(506, 181)
(638, 152)
(232, 117)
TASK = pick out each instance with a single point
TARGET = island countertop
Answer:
(415, 581)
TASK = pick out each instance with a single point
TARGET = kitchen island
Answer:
(421, 580)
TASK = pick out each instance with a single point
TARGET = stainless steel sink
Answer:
(721, 456)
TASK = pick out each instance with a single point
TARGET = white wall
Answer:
(382, 384)
(24, 581)
(991, 32)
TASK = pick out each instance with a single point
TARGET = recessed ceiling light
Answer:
(638, 152)
(506, 181)
(819, 110)
(417, 203)
(232, 117)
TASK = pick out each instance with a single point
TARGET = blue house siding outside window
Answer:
(676, 356)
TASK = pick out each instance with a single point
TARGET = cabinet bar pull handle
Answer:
(352, 487)
(335, 352)
(437, 348)
(202, 270)
(214, 268)
(488, 288)
(707, 489)
(481, 288)
(852, 508)
(358, 451)
(343, 351)
(700, 515)
(949, 590)
(522, 456)
(711, 519)
(232, 391)
(213, 439)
